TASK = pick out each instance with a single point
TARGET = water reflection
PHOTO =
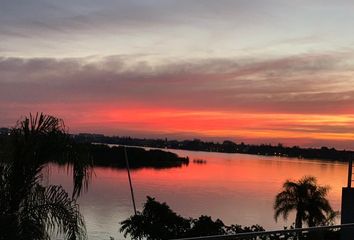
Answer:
(239, 189)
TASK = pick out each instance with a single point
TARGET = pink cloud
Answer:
(294, 99)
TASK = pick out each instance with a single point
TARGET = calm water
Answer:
(236, 188)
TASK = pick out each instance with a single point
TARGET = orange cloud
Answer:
(295, 100)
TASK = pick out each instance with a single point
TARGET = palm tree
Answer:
(29, 210)
(307, 199)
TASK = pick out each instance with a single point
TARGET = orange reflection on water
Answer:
(239, 189)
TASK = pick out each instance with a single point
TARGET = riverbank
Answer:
(324, 153)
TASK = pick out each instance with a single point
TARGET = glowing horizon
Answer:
(253, 71)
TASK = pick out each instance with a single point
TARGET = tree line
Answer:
(226, 146)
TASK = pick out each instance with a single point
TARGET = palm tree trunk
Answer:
(298, 219)
(298, 223)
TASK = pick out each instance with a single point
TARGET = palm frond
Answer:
(52, 208)
(29, 210)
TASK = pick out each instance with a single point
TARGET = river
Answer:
(237, 188)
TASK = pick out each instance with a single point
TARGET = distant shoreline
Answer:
(186, 150)
(227, 146)
(323, 153)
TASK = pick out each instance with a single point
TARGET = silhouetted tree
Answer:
(156, 221)
(205, 226)
(307, 199)
(29, 210)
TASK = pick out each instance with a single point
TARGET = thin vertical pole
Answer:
(350, 169)
(130, 180)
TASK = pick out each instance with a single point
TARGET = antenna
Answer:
(130, 180)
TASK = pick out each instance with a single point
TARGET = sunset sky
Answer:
(260, 71)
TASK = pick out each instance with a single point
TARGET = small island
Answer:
(113, 156)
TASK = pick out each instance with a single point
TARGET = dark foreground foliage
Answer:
(157, 221)
(28, 209)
